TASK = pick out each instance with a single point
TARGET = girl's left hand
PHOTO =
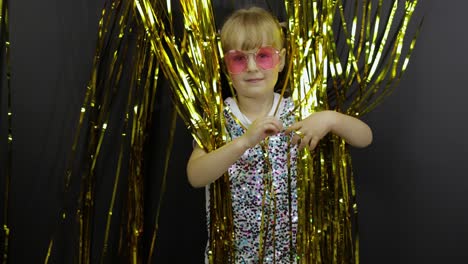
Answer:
(309, 131)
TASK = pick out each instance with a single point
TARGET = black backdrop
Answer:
(411, 182)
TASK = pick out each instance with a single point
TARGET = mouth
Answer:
(254, 80)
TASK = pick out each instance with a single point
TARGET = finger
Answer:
(304, 142)
(297, 137)
(270, 129)
(295, 140)
(295, 126)
(278, 124)
(313, 143)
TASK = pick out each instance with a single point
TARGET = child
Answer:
(254, 54)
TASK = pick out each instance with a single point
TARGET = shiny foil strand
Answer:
(113, 197)
(291, 257)
(378, 55)
(352, 59)
(163, 185)
(85, 209)
(5, 49)
(348, 165)
(141, 121)
(133, 218)
(347, 78)
(149, 99)
(267, 185)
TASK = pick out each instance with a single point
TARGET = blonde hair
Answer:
(250, 28)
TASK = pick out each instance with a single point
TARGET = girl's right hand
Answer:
(260, 129)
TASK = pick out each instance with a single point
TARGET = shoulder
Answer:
(286, 104)
(230, 106)
(229, 101)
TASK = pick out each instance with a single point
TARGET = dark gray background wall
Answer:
(412, 181)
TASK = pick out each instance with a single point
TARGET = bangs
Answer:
(249, 37)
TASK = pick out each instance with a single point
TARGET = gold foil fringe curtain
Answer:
(344, 55)
(5, 174)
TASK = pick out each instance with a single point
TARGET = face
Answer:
(254, 73)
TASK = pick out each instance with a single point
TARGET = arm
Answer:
(317, 125)
(204, 168)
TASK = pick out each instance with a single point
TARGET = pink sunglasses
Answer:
(265, 57)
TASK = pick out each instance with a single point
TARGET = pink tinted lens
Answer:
(266, 58)
(236, 61)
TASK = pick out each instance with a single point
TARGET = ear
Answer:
(282, 59)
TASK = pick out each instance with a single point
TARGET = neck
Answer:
(254, 108)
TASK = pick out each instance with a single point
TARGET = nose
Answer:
(251, 63)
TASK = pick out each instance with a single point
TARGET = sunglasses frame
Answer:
(247, 55)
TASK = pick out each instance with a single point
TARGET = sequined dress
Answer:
(249, 176)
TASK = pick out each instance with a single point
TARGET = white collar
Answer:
(232, 103)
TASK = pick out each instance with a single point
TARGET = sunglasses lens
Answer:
(266, 58)
(236, 61)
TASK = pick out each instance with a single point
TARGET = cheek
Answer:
(273, 75)
(236, 79)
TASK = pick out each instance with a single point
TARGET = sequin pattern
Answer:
(249, 178)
